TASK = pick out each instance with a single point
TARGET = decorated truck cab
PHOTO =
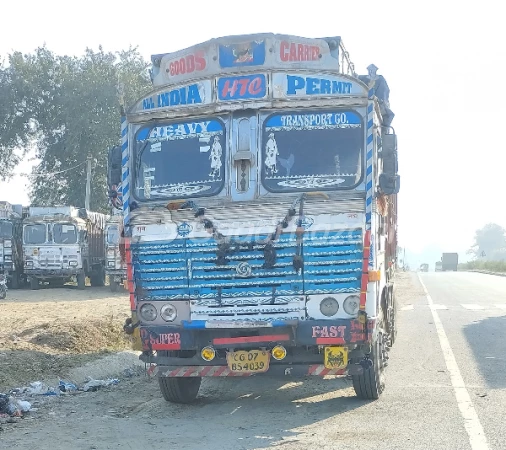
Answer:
(258, 189)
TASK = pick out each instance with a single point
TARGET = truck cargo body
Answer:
(450, 261)
(11, 258)
(115, 265)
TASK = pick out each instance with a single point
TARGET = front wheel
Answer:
(371, 383)
(179, 390)
(113, 285)
(34, 283)
(15, 280)
(81, 281)
(3, 292)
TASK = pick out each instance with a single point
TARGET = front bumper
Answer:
(118, 274)
(170, 348)
(52, 273)
(279, 370)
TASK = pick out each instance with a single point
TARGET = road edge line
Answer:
(472, 423)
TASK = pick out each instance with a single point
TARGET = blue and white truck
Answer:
(259, 191)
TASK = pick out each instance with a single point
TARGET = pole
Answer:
(88, 183)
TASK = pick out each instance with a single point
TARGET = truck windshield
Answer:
(112, 235)
(5, 229)
(64, 233)
(35, 234)
(180, 159)
(312, 151)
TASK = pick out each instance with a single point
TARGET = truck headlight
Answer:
(351, 305)
(7, 244)
(148, 312)
(111, 264)
(329, 306)
(29, 263)
(8, 258)
(168, 312)
(72, 263)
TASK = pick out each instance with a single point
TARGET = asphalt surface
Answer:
(446, 389)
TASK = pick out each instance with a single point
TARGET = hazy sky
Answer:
(443, 61)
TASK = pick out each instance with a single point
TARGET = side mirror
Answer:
(114, 166)
(389, 154)
(389, 180)
(389, 184)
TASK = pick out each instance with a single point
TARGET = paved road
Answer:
(446, 383)
(472, 310)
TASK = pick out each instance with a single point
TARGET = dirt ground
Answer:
(45, 333)
(60, 328)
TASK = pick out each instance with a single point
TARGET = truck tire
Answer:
(98, 276)
(393, 320)
(113, 285)
(34, 283)
(179, 390)
(81, 281)
(371, 384)
(15, 280)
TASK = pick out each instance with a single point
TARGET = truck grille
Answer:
(49, 262)
(244, 288)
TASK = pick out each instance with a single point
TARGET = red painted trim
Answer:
(365, 274)
(220, 371)
(130, 275)
(163, 347)
(329, 341)
(251, 339)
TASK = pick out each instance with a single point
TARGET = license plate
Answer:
(253, 361)
(336, 357)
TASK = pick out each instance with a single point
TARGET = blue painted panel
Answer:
(187, 268)
(244, 54)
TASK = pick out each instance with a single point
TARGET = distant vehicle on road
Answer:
(424, 267)
(450, 261)
(439, 266)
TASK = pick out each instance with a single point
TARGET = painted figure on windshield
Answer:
(215, 157)
(271, 154)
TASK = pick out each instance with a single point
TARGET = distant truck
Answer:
(438, 266)
(11, 260)
(63, 243)
(424, 268)
(115, 266)
(449, 261)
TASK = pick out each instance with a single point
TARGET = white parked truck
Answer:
(115, 266)
(63, 243)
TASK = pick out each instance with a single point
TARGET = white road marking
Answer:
(473, 307)
(436, 306)
(503, 306)
(407, 308)
(472, 424)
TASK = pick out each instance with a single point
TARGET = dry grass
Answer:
(45, 333)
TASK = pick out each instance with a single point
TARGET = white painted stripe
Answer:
(472, 307)
(407, 308)
(502, 306)
(472, 424)
(435, 306)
